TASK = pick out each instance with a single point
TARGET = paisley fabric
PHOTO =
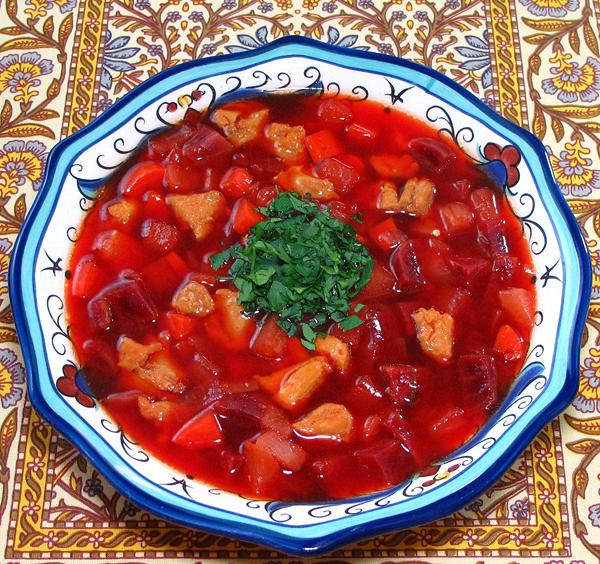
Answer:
(62, 62)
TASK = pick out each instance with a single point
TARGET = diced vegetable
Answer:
(285, 451)
(491, 236)
(200, 432)
(262, 467)
(322, 144)
(478, 380)
(183, 178)
(361, 134)
(403, 386)
(389, 165)
(88, 278)
(206, 145)
(178, 325)
(228, 325)
(244, 216)
(155, 411)
(236, 182)
(388, 458)
(119, 250)
(406, 267)
(484, 204)
(269, 340)
(432, 154)
(518, 304)
(343, 176)
(456, 217)
(165, 274)
(328, 421)
(158, 236)
(332, 111)
(386, 234)
(508, 344)
(141, 178)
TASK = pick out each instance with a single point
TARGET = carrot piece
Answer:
(394, 166)
(244, 216)
(119, 250)
(236, 181)
(142, 177)
(270, 340)
(178, 325)
(508, 343)
(322, 144)
(361, 134)
(386, 234)
(201, 431)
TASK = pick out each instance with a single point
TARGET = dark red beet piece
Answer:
(470, 268)
(342, 176)
(478, 379)
(206, 144)
(158, 236)
(388, 459)
(491, 236)
(431, 154)
(403, 386)
(406, 268)
(504, 268)
(364, 396)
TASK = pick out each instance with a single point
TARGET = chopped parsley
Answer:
(302, 264)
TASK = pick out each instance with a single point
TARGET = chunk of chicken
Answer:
(294, 385)
(193, 299)
(121, 211)
(240, 130)
(435, 333)
(288, 141)
(162, 374)
(154, 411)
(416, 197)
(198, 211)
(330, 420)
(134, 355)
(335, 349)
(302, 382)
(296, 180)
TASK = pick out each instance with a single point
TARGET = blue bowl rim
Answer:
(282, 539)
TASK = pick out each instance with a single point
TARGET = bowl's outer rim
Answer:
(312, 539)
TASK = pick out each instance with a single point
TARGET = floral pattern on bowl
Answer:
(80, 165)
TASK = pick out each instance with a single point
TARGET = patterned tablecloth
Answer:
(62, 62)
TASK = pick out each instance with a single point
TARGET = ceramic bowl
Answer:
(80, 164)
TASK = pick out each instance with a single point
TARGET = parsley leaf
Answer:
(302, 264)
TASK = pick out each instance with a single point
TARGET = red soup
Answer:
(291, 287)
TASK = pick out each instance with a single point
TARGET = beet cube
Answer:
(478, 380)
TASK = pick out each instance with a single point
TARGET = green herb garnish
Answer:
(302, 264)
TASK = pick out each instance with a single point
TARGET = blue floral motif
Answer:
(594, 514)
(478, 55)
(248, 42)
(520, 509)
(12, 375)
(333, 38)
(115, 53)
